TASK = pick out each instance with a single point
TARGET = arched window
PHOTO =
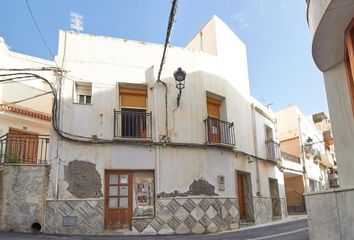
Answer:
(349, 42)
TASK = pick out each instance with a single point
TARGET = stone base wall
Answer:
(263, 213)
(190, 215)
(24, 189)
(74, 217)
(262, 208)
(330, 214)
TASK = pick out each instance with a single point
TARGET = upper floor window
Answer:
(213, 107)
(349, 39)
(83, 92)
(132, 121)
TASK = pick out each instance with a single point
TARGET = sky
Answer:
(280, 64)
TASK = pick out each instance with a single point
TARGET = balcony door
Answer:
(214, 130)
(22, 146)
(133, 111)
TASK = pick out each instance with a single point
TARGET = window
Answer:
(349, 39)
(83, 92)
(132, 121)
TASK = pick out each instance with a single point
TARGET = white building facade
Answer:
(305, 157)
(129, 158)
(331, 25)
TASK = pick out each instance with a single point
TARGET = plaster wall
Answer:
(30, 124)
(218, 39)
(24, 194)
(342, 121)
(337, 221)
(185, 124)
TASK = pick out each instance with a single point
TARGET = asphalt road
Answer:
(292, 230)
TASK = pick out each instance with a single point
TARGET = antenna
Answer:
(77, 22)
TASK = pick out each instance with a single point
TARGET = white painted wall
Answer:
(105, 62)
(342, 121)
(10, 92)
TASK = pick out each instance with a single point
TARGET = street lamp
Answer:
(180, 77)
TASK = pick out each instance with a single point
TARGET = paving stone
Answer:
(166, 230)
(204, 204)
(189, 205)
(190, 221)
(198, 229)
(212, 228)
(182, 229)
(205, 220)
(233, 211)
(149, 230)
(165, 215)
(174, 222)
(197, 213)
(157, 224)
(182, 214)
(211, 212)
(173, 206)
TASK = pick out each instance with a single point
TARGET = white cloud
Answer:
(241, 20)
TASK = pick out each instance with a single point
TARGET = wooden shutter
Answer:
(133, 97)
(213, 107)
(350, 60)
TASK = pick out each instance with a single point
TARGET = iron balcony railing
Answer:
(132, 124)
(24, 149)
(218, 131)
(273, 150)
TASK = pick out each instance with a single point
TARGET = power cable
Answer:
(38, 30)
(26, 99)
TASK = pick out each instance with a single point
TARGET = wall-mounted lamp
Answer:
(180, 77)
(308, 144)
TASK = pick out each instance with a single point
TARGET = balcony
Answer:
(24, 149)
(132, 124)
(219, 132)
(273, 150)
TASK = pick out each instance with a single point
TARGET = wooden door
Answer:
(22, 146)
(118, 199)
(213, 108)
(241, 196)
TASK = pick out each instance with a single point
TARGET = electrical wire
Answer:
(38, 30)
(26, 99)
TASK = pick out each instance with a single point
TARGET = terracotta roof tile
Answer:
(25, 111)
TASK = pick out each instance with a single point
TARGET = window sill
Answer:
(122, 139)
(89, 104)
(142, 217)
(221, 145)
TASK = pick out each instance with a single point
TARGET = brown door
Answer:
(118, 199)
(213, 108)
(22, 146)
(241, 196)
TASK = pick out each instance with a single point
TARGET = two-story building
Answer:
(126, 156)
(25, 122)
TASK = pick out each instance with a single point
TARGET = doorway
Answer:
(118, 199)
(244, 193)
(274, 195)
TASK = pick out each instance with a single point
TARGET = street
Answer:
(288, 230)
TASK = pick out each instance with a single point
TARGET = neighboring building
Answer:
(332, 26)
(306, 159)
(139, 162)
(25, 122)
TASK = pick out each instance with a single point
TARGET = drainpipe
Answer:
(256, 149)
(302, 155)
(157, 148)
